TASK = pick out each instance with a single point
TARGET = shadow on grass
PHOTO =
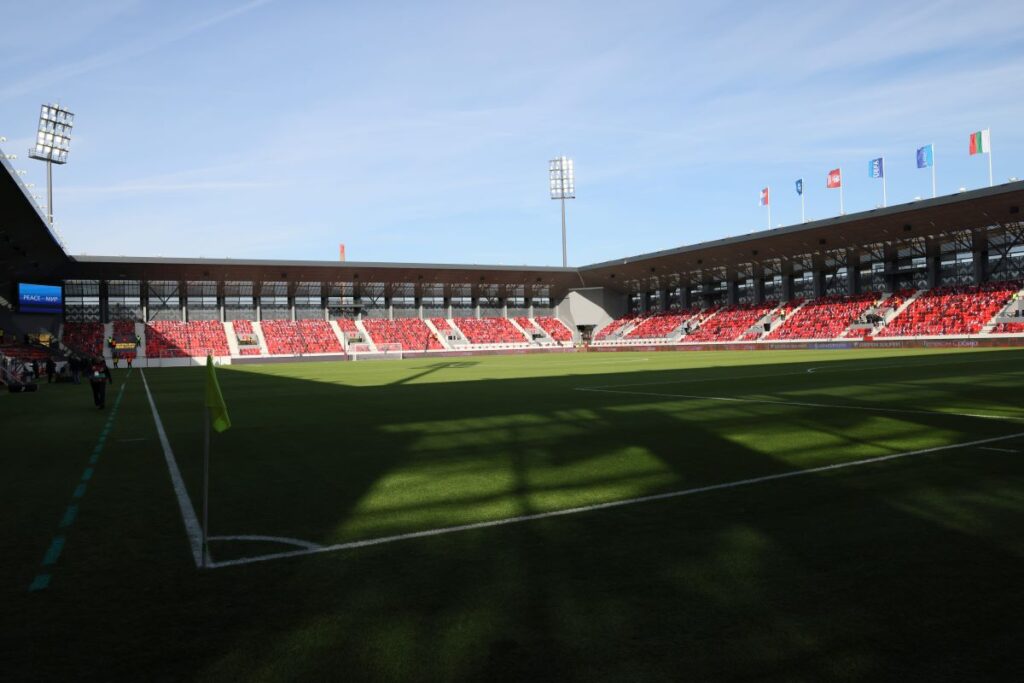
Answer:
(823, 577)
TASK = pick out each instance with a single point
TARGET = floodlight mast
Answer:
(562, 175)
(53, 141)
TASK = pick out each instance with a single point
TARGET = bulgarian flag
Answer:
(980, 142)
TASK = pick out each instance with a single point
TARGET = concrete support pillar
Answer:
(979, 249)
(757, 287)
(220, 308)
(643, 301)
(389, 307)
(684, 296)
(891, 269)
(819, 282)
(732, 291)
(933, 261)
(529, 306)
(291, 308)
(504, 308)
(787, 284)
(447, 307)
(475, 301)
(853, 272)
(104, 302)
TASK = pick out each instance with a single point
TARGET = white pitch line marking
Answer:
(604, 506)
(188, 513)
(269, 539)
(806, 404)
(822, 368)
(998, 450)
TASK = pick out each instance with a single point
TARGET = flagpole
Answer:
(841, 210)
(990, 157)
(885, 200)
(933, 170)
(770, 207)
(206, 482)
(803, 216)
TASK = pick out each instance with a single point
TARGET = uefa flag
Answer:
(215, 400)
(764, 197)
(876, 168)
(835, 179)
(800, 186)
(925, 156)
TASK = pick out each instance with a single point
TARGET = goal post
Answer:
(387, 351)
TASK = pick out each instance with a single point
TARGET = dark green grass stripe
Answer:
(42, 580)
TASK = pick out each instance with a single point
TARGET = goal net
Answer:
(383, 352)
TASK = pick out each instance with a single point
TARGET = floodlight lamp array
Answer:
(562, 176)
(53, 141)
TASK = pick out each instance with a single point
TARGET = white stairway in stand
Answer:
(526, 337)
(338, 334)
(366, 335)
(140, 332)
(229, 332)
(440, 337)
(257, 329)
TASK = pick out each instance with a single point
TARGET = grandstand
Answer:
(508, 498)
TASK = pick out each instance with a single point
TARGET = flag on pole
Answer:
(925, 156)
(800, 186)
(215, 400)
(764, 197)
(876, 168)
(981, 142)
(835, 179)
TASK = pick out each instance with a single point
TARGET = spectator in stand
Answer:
(51, 369)
(99, 377)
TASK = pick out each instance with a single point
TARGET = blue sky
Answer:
(416, 131)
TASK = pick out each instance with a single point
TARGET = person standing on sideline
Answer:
(128, 359)
(51, 369)
(116, 359)
(99, 377)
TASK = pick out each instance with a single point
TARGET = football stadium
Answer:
(790, 454)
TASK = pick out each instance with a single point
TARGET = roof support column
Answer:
(757, 288)
(979, 250)
(852, 272)
(933, 262)
(787, 281)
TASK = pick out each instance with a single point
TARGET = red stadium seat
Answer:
(412, 333)
(175, 339)
(490, 331)
(951, 310)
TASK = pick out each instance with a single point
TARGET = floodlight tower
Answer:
(53, 141)
(563, 186)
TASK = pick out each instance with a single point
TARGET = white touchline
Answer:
(188, 513)
(821, 368)
(807, 404)
(604, 506)
(998, 450)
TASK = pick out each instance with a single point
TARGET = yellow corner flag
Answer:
(215, 400)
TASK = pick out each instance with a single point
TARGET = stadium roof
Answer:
(29, 250)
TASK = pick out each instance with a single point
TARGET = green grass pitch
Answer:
(907, 568)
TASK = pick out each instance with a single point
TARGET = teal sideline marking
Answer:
(69, 516)
(54, 551)
(42, 580)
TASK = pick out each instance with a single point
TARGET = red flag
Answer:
(835, 179)
(764, 197)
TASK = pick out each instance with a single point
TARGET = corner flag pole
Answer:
(206, 483)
